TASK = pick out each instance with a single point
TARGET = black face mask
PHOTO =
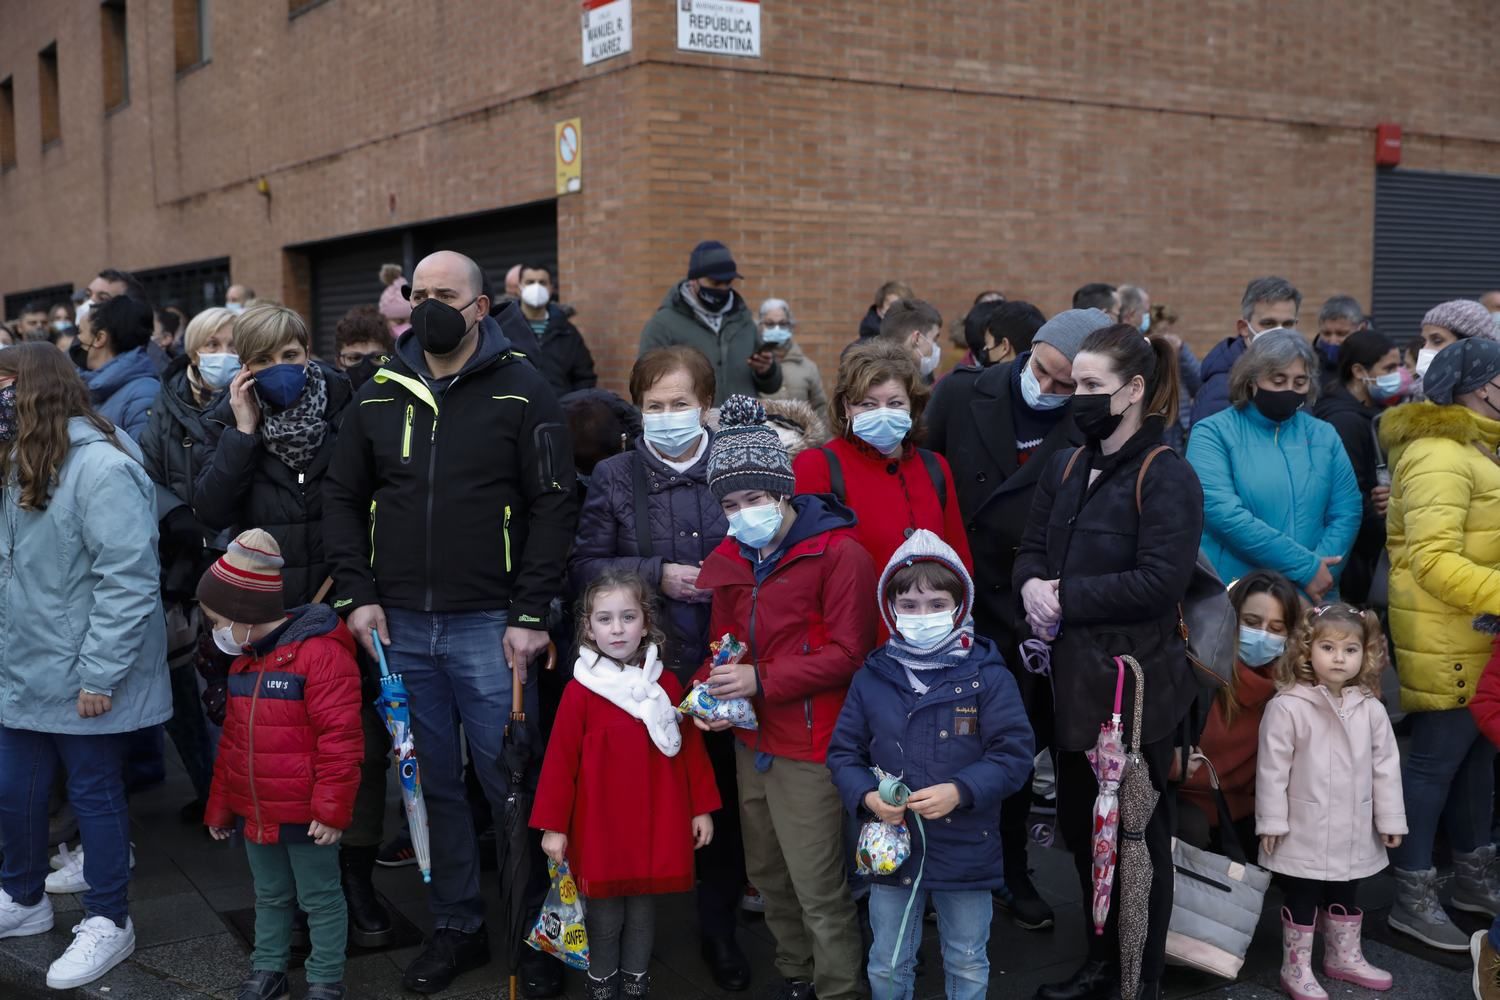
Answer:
(1278, 405)
(79, 354)
(713, 299)
(439, 327)
(362, 372)
(1091, 414)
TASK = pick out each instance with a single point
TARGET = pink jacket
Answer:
(1327, 780)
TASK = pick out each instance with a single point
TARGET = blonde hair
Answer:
(867, 365)
(1295, 666)
(265, 327)
(205, 325)
(631, 583)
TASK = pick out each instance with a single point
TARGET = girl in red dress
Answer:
(625, 791)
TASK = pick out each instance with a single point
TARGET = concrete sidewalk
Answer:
(185, 884)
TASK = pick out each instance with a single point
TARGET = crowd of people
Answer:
(935, 575)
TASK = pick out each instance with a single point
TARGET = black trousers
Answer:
(721, 865)
(1076, 791)
(1305, 895)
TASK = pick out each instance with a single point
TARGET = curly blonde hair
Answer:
(1295, 666)
(636, 586)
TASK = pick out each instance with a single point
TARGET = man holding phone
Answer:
(705, 312)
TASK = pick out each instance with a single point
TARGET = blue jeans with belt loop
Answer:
(453, 664)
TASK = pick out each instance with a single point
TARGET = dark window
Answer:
(52, 295)
(115, 60)
(47, 95)
(192, 287)
(190, 32)
(7, 123)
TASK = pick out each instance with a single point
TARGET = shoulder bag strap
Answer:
(1072, 461)
(643, 545)
(935, 473)
(835, 474)
(1140, 481)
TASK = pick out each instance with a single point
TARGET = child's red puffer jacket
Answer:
(292, 742)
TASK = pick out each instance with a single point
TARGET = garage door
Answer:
(1437, 237)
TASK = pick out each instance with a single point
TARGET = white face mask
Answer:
(218, 370)
(932, 360)
(82, 312)
(536, 295)
(671, 433)
(1031, 392)
(1424, 360)
(925, 631)
(224, 639)
(234, 307)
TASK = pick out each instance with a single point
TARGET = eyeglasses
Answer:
(351, 358)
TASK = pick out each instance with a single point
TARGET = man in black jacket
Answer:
(563, 357)
(449, 512)
(998, 430)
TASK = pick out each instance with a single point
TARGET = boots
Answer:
(369, 923)
(1418, 913)
(1342, 956)
(1297, 979)
(607, 988)
(1476, 888)
(635, 985)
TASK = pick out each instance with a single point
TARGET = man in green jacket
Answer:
(706, 313)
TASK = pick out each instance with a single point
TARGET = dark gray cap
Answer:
(1461, 367)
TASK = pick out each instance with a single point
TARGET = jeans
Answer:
(620, 932)
(94, 767)
(963, 932)
(1447, 777)
(309, 876)
(454, 667)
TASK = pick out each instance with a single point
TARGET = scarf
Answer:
(711, 319)
(295, 434)
(951, 652)
(634, 691)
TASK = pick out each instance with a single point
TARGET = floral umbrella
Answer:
(1137, 802)
(1108, 761)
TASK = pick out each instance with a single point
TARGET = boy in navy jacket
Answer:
(936, 707)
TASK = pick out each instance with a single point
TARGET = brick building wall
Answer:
(1182, 145)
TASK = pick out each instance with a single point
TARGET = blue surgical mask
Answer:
(776, 335)
(925, 631)
(1390, 386)
(1258, 647)
(218, 370)
(1146, 323)
(1031, 392)
(755, 526)
(281, 385)
(671, 433)
(883, 429)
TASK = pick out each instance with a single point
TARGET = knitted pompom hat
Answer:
(244, 584)
(746, 453)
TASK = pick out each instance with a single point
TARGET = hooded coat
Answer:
(1213, 390)
(1232, 745)
(728, 348)
(1443, 535)
(1328, 782)
(124, 389)
(969, 728)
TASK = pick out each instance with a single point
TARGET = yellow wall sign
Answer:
(569, 150)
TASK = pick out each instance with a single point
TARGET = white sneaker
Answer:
(23, 921)
(64, 855)
(98, 946)
(68, 878)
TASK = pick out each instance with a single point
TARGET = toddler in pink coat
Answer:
(1328, 792)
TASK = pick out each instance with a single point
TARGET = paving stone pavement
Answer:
(184, 883)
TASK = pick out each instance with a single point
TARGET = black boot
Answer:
(727, 964)
(1095, 980)
(541, 975)
(635, 985)
(369, 923)
(607, 988)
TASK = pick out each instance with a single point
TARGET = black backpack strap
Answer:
(835, 474)
(642, 511)
(935, 473)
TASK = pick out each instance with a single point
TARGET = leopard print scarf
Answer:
(295, 434)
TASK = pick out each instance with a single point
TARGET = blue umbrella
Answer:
(394, 704)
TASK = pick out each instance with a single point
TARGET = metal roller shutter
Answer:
(497, 241)
(345, 274)
(1437, 237)
(192, 287)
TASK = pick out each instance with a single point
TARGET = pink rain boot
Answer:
(1297, 979)
(1342, 957)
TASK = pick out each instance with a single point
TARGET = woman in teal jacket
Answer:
(1278, 490)
(82, 647)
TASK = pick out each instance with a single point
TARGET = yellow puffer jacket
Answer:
(1443, 533)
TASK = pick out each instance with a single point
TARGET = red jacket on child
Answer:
(626, 807)
(1486, 704)
(292, 742)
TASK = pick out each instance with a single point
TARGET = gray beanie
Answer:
(746, 454)
(1465, 317)
(1461, 367)
(1068, 330)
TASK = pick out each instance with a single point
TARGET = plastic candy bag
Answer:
(700, 702)
(883, 847)
(559, 928)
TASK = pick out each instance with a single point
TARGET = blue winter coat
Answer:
(1213, 391)
(124, 389)
(970, 728)
(686, 525)
(1275, 496)
(79, 601)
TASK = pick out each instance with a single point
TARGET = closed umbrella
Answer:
(1138, 798)
(520, 753)
(395, 707)
(1108, 761)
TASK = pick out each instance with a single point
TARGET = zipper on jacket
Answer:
(431, 491)
(260, 677)
(406, 434)
(506, 532)
(372, 532)
(807, 711)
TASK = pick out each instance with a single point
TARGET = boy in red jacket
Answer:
(289, 759)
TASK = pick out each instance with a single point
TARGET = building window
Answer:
(190, 33)
(47, 95)
(115, 60)
(7, 123)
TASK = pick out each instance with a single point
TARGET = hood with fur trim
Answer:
(796, 423)
(1409, 422)
(925, 546)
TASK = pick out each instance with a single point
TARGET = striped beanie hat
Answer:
(747, 454)
(244, 584)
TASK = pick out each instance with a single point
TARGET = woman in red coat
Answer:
(625, 793)
(873, 463)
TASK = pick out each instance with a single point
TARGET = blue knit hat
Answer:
(746, 454)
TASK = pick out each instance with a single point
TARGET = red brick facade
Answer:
(1181, 145)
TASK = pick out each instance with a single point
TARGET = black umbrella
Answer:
(520, 752)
